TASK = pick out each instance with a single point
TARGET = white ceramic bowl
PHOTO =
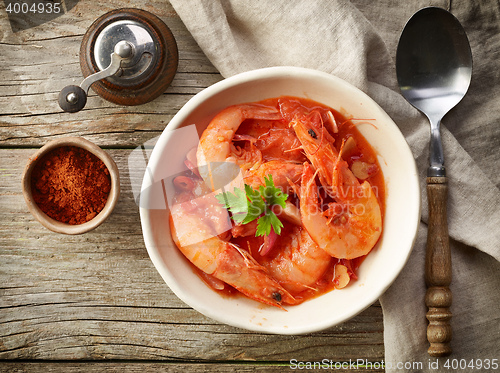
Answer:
(377, 272)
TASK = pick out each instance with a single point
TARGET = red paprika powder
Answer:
(70, 184)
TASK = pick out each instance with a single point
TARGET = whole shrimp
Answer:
(216, 143)
(350, 227)
(194, 226)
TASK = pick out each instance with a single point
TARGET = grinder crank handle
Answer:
(73, 98)
(438, 297)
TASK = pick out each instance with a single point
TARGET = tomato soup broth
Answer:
(275, 140)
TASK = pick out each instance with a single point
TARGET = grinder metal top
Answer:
(128, 56)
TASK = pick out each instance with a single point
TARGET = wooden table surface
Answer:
(95, 301)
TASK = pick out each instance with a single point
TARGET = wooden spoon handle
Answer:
(438, 269)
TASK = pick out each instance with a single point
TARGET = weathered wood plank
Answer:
(98, 296)
(47, 60)
(146, 367)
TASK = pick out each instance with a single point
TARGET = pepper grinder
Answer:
(128, 56)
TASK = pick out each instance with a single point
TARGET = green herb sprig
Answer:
(250, 204)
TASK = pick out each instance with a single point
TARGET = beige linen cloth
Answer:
(356, 41)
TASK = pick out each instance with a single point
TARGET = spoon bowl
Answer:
(434, 62)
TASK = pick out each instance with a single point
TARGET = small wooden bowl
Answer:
(57, 226)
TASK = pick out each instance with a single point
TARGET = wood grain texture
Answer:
(147, 367)
(30, 87)
(438, 269)
(97, 297)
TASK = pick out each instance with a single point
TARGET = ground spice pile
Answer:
(70, 184)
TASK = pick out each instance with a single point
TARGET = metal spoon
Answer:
(434, 68)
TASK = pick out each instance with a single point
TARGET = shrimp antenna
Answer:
(249, 260)
(362, 121)
(294, 149)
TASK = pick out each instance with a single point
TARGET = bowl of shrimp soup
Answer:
(278, 129)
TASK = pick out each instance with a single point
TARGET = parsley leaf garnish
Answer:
(250, 204)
